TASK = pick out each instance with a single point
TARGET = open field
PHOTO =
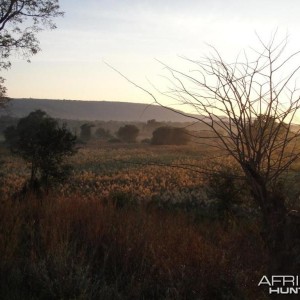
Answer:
(101, 169)
(125, 227)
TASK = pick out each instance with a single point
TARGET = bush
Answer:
(170, 136)
(228, 191)
(128, 133)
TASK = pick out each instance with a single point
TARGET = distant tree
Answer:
(151, 121)
(86, 132)
(20, 21)
(161, 136)
(166, 135)
(264, 127)
(128, 133)
(40, 140)
(153, 124)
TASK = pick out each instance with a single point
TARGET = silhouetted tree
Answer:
(166, 135)
(250, 106)
(128, 133)
(40, 140)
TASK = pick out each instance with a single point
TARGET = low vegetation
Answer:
(128, 133)
(132, 221)
(167, 135)
(123, 228)
(86, 248)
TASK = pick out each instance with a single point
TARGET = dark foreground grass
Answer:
(74, 248)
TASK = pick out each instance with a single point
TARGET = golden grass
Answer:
(79, 248)
(88, 241)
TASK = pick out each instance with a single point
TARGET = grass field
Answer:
(124, 226)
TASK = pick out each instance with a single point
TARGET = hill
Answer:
(93, 110)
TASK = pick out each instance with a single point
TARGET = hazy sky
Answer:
(131, 34)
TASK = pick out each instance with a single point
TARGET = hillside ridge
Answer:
(93, 110)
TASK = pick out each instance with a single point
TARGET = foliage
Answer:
(20, 21)
(226, 186)
(128, 133)
(40, 140)
(170, 136)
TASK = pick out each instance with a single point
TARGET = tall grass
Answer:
(74, 248)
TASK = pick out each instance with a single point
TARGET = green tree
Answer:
(20, 21)
(128, 133)
(42, 142)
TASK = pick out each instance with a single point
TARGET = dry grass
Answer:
(75, 248)
(124, 230)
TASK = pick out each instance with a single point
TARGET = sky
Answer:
(131, 35)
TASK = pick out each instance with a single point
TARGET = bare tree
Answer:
(251, 106)
(20, 20)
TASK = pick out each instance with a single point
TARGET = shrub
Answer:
(170, 136)
(229, 192)
(128, 133)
